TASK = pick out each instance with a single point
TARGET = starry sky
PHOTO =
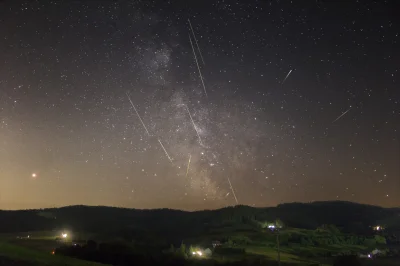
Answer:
(198, 104)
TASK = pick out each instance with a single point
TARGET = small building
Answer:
(372, 254)
(207, 252)
(365, 256)
(377, 252)
(216, 243)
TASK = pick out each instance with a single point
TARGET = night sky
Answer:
(297, 101)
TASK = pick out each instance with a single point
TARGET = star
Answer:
(124, 98)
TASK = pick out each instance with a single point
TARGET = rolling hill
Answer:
(348, 216)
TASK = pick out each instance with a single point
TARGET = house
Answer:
(365, 256)
(378, 228)
(377, 252)
(372, 254)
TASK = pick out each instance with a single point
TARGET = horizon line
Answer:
(186, 210)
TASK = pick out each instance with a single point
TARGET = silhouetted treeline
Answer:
(171, 226)
(23, 221)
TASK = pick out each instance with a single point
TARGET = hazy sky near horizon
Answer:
(102, 103)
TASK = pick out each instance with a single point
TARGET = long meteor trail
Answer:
(287, 76)
(194, 125)
(195, 39)
(166, 153)
(137, 114)
(340, 116)
(187, 170)
(233, 192)
(198, 67)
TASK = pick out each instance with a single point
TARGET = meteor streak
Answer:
(233, 192)
(166, 153)
(138, 114)
(287, 76)
(341, 116)
(198, 67)
(194, 36)
(187, 170)
(195, 128)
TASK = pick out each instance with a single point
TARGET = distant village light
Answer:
(378, 228)
(271, 226)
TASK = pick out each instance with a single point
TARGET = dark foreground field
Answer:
(14, 254)
(309, 234)
(15, 262)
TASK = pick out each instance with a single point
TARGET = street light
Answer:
(276, 227)
(277, 240)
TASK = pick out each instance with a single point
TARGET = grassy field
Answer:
(35, 250)
(36, 244)
(272, 254)
(259, 246)
(263, 244)
(36, 257)
(382, 262)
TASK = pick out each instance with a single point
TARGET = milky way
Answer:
(113, 104)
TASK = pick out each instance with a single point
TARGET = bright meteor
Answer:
(233, 192)
(198, 67)
(340, 116)
(137, 114)
(166, 153)
(287, 76)
(188, 166)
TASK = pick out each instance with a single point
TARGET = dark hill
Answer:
(144, 224)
